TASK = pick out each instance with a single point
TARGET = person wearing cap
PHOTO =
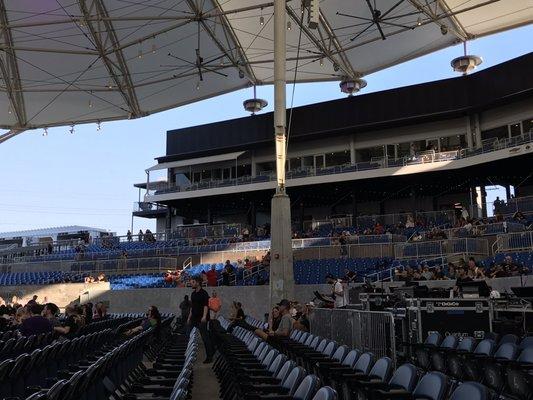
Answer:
(285, 324)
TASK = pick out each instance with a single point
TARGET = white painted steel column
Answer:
(281, 269)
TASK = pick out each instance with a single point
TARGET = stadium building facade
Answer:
(419, 148)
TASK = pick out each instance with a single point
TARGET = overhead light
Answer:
(45, 132)
(9, 110)
(71, 130)
(321, 62)
(419, 21)
(465, 63)
(351, 86)
(335, 67)
(254, 105)
(98, 127)
(261, 20)
(90, 104)
(241, 74)
(444, 29)
(198, 85)
(288, 25)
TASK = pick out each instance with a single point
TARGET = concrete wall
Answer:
(60, 294)
(255, 299)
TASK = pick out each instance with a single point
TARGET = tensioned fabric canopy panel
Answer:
(67, 62)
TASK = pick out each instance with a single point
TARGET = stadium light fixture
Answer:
(71, 130)
(350, 86)
(466, 63)
(45, 132)
(254, 105)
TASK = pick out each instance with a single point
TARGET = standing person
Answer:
(140, 236)
(185, 308)
(128, 236)
(33, 300)
(199, 315)
(212, 277)
(73, 323)
(214, 305)
(337, 291)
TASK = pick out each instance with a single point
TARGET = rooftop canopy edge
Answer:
(66, 63)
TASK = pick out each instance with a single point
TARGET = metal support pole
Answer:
(280, 91)
(281, 268)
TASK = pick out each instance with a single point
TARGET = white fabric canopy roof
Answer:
(68, 62)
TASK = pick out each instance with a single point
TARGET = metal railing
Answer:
(434, 248)
(364, 330)
(146, 206)
(381, 162)
(521, 241)
(486, 229)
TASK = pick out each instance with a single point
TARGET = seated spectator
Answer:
(274, 319)
(35, 324)
(301, 320)
(285, 325)
(238, 313)
(21, 314)
(100, 311)
(152, 320)
(50, 312)
(72, 324)
(87, 310)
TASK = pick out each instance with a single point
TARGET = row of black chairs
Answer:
(113, 374)
(171, 374)
(503, 366)
(16, 345)
(249, 368)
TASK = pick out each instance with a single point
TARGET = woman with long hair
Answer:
(152, 320)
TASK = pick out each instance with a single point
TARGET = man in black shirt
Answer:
(199, 315)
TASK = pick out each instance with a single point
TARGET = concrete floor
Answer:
(205, 385)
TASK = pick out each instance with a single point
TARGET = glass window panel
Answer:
(515, 129)
(369, 153)
(527, 125)
(309, 161)
(338, 158)
(404, 149)
(500, 132)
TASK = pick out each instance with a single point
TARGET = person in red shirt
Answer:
(212, 277)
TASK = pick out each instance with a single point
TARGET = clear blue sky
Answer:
(86, 178)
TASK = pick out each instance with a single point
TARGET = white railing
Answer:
(434, 248)
(382, 162)
(519, 241)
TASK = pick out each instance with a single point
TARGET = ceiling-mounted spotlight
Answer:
(98, 127)
(444, 29)
(90, 104)
(254, 105)
(9, 110)
(419, 21)
(466, 63)
(198, 85)
(352, 85)
(289, 26)
(241, 74)
(71, 130)
(261, 18)
(335, 67)
(321, 62)
(45, 132)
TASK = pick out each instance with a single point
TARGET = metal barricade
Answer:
(364, 330)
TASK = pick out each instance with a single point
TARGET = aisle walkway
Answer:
(205, 385)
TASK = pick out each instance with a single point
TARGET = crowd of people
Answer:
(462, 271)
(35, 318)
